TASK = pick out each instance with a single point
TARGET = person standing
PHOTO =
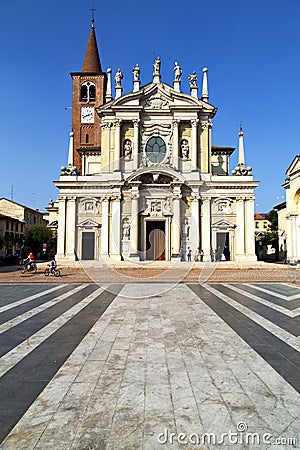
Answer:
(189, 254)
(182, 254)
(201, 255)
(212, 254)
(226, 253)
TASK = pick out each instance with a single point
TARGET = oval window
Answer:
(156, 149)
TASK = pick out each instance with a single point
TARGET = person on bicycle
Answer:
(28, 261)
(52, 265)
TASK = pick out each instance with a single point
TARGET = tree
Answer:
(272, 217)
(38, 235)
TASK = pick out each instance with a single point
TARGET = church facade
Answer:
(143, 181)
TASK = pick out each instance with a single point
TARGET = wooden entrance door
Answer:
(155, 240)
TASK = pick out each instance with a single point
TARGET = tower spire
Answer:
(241, 160)
(91, 62)
(204, 95)
(241, 168)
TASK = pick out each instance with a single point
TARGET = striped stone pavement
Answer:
(149, 366)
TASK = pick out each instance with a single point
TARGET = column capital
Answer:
(61, 198)
(118, 122)
(106, 125)
(115, 197)
(176, 122)
(71, 198)
(136, 122)
(194, 122)
(206, 124)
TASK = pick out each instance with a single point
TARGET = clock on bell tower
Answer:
(88, 92)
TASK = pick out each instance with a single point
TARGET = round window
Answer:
(156, 149)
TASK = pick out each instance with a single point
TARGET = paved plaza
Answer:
(149, 365)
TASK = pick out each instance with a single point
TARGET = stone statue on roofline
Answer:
(136, 72)
(177, 72)
(118, 78)
(193, 79)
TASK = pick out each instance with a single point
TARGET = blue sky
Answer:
(251, 49)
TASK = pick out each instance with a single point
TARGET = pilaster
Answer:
(71, 228)
(240, 230)
(175, 149)
(117, 145)
(195, 238)
(135, 154)
(206, 228)
(134, 225)
(250, 231)
(105, 228)
(194, 159)
(61, 227)
(175, 235)
(115, 228)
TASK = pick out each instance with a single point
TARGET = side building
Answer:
(15, 221)
(143, 178)
(291, 210)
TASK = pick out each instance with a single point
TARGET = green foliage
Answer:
(38, 235)
(272, 217)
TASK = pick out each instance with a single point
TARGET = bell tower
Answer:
(88, 92)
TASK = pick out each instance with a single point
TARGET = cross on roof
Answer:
(93, 9)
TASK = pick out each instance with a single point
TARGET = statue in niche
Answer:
(186, 228)
(126, 228)
(118, 78)
(127, 149)
(185, 149)
(177, 72)
(156, 66)
(136, 72)
(193, 79)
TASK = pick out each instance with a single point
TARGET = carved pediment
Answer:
(223, 225)
(89, 224)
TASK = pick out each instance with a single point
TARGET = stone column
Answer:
(194, 202)
(134, 225)
(135, 153)
(61, 227)
(250, 231)
(294, 234)
(206, 229)
(175, 237)
(240, 229)
(117, 145)
(205, 150)
(116, 229)
(105, 228)
(194, 159)
(175, 149)
(71, 228)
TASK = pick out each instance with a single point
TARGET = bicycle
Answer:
(29, 268)
(52, 271)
